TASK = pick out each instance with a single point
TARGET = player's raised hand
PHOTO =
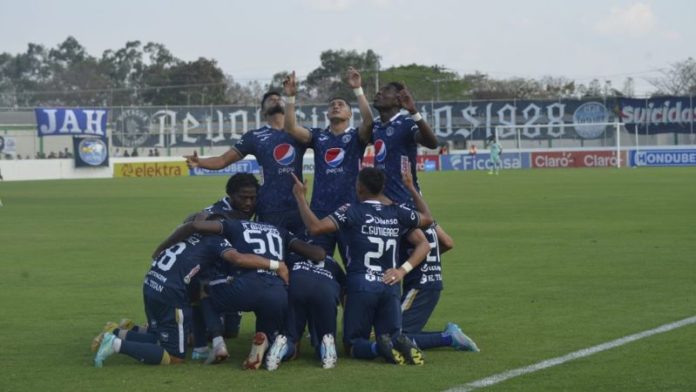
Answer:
(290, 85)
(299, 189)
(393, 276)
(407, 101)
(192, 160)
(283, 272)
(354, 78)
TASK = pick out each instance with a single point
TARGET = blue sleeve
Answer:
(410, 136)
(342, 216)
(229, 229)
(408, 217)
(246, 145)
(221, 245)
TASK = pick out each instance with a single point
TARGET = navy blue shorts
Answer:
(313, 301)
(416, 308)
(288, 220)
(365, 310)
(171, 324)
(250, 292)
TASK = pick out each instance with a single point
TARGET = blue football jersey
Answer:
(337, 162)
(257, 238)
(278, 154)
(328, 270)
(373, 232)
(222, 207)
(428, 275)
(177, 266)
(394, 142)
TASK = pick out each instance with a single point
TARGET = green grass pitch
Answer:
(546, 262)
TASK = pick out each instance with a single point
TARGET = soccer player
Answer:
(421, 293)
(278, 154)
(260, 291)
(166, 298)
(372, 228)
(496, 151)
(396, 138)
(313, 297)
(338, 151)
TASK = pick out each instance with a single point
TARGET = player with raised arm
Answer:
(338, 151)
(278, 154)
(372, 228)
(166, 298)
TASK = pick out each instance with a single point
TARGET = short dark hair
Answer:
(342, 99)
(373, 179)
(268, 94)
(239, 181)
(396, 85)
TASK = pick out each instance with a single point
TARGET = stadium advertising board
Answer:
(428, 162)
(61, 122)
(244, 166)
(470, 120)
(563, 159)
(659, 114)
(483, 161)
(663, 157)
(151, 169)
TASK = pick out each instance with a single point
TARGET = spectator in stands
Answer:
(61, 155)
(135, 152)
(472, 149)
(150, 153)
(68, 154)
(117, 153)
(126, 154)
(52, 155)
(157, 152)
(443, 149)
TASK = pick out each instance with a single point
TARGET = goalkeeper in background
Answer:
(496, 150)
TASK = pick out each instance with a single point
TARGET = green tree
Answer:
(328, 80)
(431, 82)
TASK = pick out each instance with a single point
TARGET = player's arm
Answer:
(290, 126)
(425, 217)
(313, 224)
(355, 82)
(444, 240)
(420, 251)
(312, 252)
(252, 261)
(184, 231)
(425, 135)
(214, 163)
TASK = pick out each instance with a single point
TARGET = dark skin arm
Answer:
(425, 136)
(446, 242)
(426, 219)
(312, 252)
(252, 261)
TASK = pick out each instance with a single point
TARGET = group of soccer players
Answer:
(280, 265)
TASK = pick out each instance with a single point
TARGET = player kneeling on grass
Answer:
(167, 299)
(313, 296)
(372, 228)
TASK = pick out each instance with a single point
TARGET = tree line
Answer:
(149, 74)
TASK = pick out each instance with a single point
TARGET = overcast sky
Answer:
(252, 39)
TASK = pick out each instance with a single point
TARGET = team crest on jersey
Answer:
(346, 138)
(390, 131)
(380, 150)
(284, 154)
(334, 156)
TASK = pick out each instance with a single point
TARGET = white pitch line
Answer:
(500, 377)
